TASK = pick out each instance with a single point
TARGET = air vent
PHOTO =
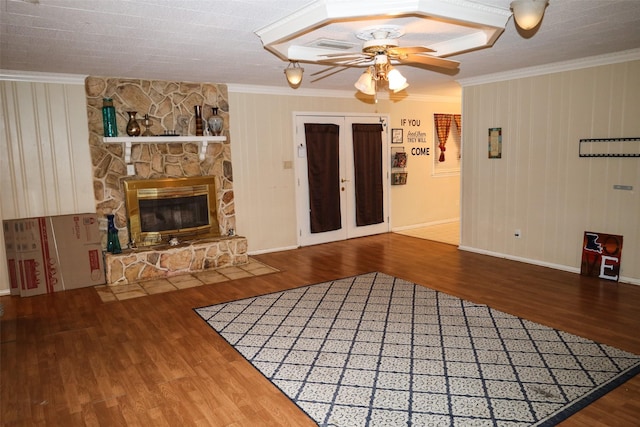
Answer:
(332, 44)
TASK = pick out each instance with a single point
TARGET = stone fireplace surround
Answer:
(170, 106)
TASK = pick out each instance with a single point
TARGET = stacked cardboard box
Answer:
(10, 229)
(50, 254)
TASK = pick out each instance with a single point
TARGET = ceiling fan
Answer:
(379, 51)
(383, 40)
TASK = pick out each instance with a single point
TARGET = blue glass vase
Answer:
(113, 241)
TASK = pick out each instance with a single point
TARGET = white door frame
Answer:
(304, 237)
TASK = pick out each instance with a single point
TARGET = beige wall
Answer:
(425, 199)
(262, 132)
(540, 185)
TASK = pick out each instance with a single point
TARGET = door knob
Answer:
(344, 180)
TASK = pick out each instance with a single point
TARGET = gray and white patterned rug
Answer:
(374, 350)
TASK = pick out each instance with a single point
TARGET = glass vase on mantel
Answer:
(216, 123)
(109, 118)
(133, 127)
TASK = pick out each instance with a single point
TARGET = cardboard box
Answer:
(50, 254)
(38, 267)
(11, 251)
(79, 250)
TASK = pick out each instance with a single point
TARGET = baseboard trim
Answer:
(425, 224)
(266, 251)
(621, 279)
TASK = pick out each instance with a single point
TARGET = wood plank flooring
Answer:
(69, 359)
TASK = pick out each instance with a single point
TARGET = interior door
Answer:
(347, 179)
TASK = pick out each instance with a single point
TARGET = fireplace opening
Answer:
(161, 209)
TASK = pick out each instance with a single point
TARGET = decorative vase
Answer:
(146, 122)
(113, 241)
(109, 118)
(133, 127)
(216, 123)
(199, 126)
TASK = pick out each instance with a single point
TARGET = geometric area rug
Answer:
(375, 350)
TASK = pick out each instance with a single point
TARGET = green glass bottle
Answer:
(113, 241)
(109, 118)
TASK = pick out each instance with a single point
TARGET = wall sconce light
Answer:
(528, 13)
(294, 74)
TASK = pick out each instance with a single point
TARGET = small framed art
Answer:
(399, 178)
(495, 143)
(396, 136)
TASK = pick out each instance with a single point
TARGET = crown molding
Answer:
(592, 61)
(38, 77)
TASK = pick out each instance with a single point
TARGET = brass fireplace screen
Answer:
(162, 209)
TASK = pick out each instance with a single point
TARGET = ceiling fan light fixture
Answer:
(366, 83)
(396, 80)
(528, 13)
(401, 88)
(293, 72)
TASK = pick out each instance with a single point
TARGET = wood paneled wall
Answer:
(44, 151)
(45, 168)
(540, 185)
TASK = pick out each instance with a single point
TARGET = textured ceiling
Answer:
(215, 41)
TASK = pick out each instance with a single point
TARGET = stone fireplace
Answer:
(170, 106)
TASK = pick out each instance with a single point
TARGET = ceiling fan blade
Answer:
(325, 70)
(409, 50)
(433, 61)
(343, 67)
(331, 55)
(330, 74)
(342, 58)
(351, 63)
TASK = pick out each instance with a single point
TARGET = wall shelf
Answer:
(128, 141)
(398, 166)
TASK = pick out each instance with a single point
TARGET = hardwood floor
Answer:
(69, 359)
(448, 232)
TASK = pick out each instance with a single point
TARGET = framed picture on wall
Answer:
(495, 143)
(396, 136)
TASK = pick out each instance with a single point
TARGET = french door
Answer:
(341, 177)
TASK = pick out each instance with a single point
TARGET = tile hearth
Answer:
(183, 281)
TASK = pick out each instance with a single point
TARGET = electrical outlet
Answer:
(517, 233)
(131, 170)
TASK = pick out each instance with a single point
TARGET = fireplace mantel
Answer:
(128, 141)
